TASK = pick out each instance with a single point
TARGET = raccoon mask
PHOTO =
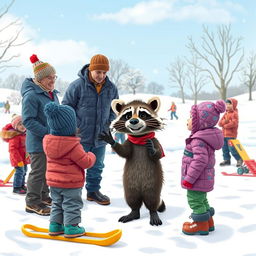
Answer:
(137, 117)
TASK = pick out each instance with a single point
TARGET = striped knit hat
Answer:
(41, 69)
(61, 119)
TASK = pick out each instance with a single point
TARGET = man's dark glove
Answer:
(107, 136)
(151, 148)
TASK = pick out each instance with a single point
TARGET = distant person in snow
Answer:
(36, 93)
(229, 123)
(15, 134)
(198, 164)
(7, 107)
(90, 96)
(173, 110)
(66, 161)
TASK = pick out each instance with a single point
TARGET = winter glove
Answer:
(151, 148)
(20, 164)
(187, 184)
(107, 136)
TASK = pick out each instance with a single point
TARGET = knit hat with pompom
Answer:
(206, 114)
(41, 69)
(61, 119)
(16, 119)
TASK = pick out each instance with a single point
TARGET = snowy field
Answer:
(234, 200)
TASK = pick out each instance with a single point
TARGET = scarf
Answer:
(143, 140)
(50, 93)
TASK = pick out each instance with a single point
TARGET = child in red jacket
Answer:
(14, 134)
(65, 175)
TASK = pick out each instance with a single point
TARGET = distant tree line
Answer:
(216, 60)
(14, 82)
(214, 95)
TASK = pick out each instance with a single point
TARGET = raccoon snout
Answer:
(134, 121)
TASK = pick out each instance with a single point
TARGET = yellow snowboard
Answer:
(102, 239)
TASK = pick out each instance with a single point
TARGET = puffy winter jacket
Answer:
(17, 147)
(229, 121)
(66, 161)
(93, 110)
(199, 159)
(33, 117)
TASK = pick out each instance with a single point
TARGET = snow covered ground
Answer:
(234, 199)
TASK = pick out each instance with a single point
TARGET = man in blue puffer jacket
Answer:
(91, 96)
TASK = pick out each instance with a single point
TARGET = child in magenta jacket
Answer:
(15, 134)
(198, 164)
(65, 175)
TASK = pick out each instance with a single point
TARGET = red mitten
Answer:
(187, 184)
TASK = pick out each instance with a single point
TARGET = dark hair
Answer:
(228, 101)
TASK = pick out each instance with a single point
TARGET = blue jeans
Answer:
(227, 149)
(93, 175)
(66, 205)
(19, 176)
(173, 114)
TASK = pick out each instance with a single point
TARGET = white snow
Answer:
(234, 200)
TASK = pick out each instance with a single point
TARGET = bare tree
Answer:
(13, 81)
(9, 42)
(177, 74)
(196, 80)
(118, 69)
(221, 56)
(155, 88)
(133, 81)
(249, 73)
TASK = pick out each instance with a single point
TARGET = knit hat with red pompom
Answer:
(206, 114)
(41, 69)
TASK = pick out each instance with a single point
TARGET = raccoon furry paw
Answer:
(151, 148)
(107, 136)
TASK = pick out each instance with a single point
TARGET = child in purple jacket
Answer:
(198, 164)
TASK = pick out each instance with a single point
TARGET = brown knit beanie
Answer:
(41, 69)
(99, 62)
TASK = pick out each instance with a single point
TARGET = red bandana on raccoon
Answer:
(143, 139)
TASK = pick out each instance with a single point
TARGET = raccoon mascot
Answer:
(143, 174)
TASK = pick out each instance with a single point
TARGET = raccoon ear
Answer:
(154, 103)
(117, 105)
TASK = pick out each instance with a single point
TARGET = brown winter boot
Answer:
(210, 221)
(196, 227)
(211, 224)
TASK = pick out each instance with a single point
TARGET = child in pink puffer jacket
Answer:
(198, 164)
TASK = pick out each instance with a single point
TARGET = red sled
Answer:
(246, 170)
(8, 184)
